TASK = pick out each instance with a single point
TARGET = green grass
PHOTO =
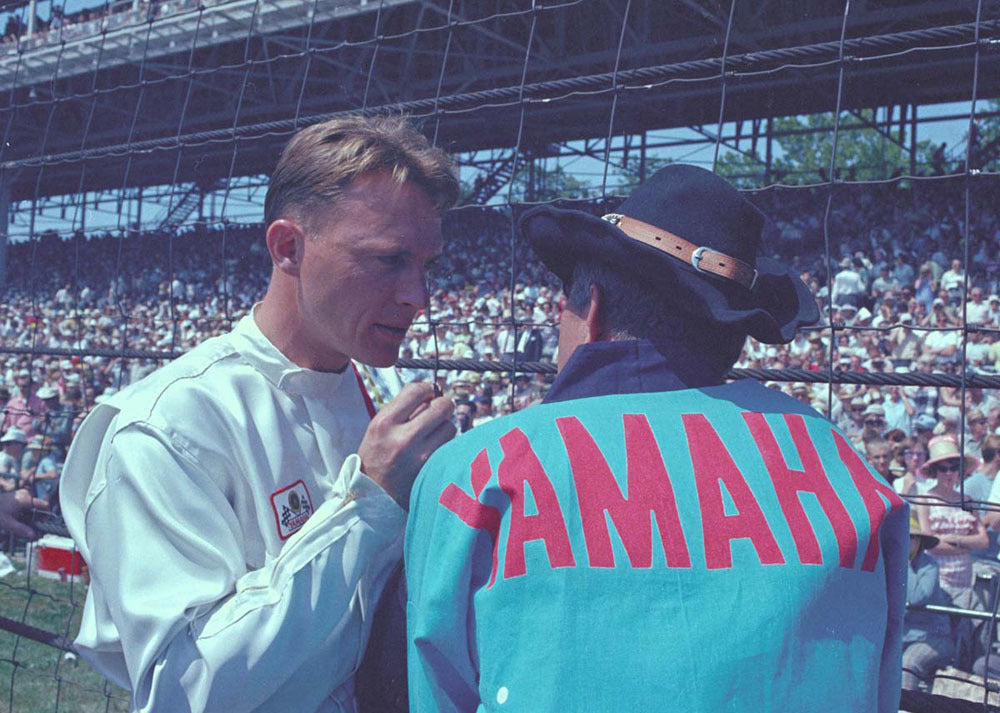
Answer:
(35, 677)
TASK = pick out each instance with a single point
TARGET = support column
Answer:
(768, 153)
(32, 10)
(138, 210)
(4, 224)
(642, 158)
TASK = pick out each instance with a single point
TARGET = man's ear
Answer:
(596, 331)
(286, 244)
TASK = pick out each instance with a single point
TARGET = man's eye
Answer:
(390, 260)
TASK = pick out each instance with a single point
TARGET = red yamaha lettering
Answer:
(712, 464)
(647, 494)
(872, 492)
(812, 478)
(472, 512)
(519, 466)
(649, 490)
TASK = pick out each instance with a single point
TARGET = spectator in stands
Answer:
(873, 424)
(960, 532)
(39, 467)
(980, 485)
(801, 392)
(12, 445)
(848, 287)
(913, 481)
(927, 637)
(993, 311)
(899, 410)
(54, 421)
(24, 408)
(925, 286)
(884, 284)
(976, 431)
(903, 342)
(897, 442)
(13, 28)
(852, 421)
(977, 310)
(465, 413)
(924, 427)
(902, 270)
(953, 282)
(879, 454)
(977, 351)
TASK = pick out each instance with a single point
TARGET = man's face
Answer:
(880, 456)
(874, 425)
(977, 427)
(363, 275)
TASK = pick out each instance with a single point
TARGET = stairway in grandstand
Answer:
(489, 184)
(182, 209)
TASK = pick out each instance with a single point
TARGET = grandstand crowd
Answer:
(64, 26)
(898, 291)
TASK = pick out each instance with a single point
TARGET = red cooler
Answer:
(56, 558)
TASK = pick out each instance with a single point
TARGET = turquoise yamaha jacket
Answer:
(638, 544)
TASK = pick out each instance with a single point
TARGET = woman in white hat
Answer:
(959, 531)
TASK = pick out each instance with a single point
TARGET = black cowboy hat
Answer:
(692, 236)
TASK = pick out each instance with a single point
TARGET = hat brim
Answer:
(970, 464)
(927, 542)
(772, 312)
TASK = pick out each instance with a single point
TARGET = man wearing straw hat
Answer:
(651, 537)
(927, 641)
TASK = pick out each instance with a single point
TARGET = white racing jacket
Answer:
(236, 550)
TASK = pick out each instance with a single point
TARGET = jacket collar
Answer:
(267, 359)
(629, 367)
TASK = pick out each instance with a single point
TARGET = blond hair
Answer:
(320, 162)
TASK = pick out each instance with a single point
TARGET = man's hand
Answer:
(17, 506)
(403, 435)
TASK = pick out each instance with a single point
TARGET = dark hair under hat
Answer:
(683, 211)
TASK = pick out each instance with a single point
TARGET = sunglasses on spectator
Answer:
(947, 466)
(874, 422)
(978, 420)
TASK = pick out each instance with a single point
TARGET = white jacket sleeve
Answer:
(198, 630)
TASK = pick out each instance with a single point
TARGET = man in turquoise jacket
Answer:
(651, 537)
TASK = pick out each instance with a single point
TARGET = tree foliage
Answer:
(803, 148)
(539, 183)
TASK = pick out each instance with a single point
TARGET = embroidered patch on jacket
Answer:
(292, 507)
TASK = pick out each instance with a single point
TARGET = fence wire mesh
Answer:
(138, 136)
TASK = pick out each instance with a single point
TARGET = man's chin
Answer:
(380, 358)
